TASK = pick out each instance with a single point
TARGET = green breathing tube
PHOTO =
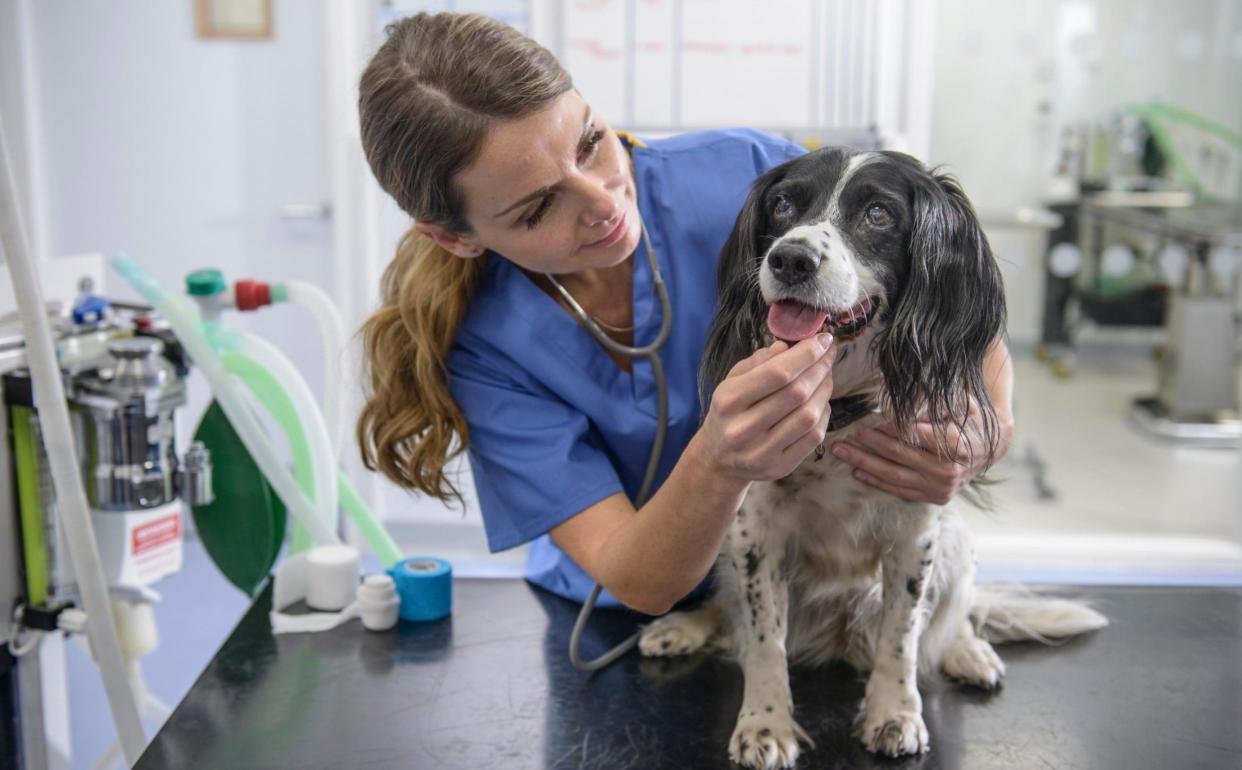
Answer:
(1160, 117)
(272, 395)
(220, 372)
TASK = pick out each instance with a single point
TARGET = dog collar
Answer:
(845, 411)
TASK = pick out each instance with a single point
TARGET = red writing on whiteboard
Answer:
(744, 49)
(593, 48)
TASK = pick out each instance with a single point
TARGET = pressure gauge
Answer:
(1117, 260)
(1173, 261)
(1064, 260)
(1223, 262)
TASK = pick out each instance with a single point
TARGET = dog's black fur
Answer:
(943, 298)
(818, 566)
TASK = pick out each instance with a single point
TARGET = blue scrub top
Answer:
(555, 425)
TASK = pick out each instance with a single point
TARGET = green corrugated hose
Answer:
(1158, 115)
(246, 549)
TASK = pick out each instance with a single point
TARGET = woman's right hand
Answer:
(771, 410)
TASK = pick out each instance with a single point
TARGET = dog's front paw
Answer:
(766, 740)
(973, 661)
(895, 734)
(677, 633)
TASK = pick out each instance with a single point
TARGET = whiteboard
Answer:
(793, 65)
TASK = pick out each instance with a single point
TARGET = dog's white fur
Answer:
(818, 566)
(885, 585)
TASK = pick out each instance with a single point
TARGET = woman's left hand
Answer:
(921, 473)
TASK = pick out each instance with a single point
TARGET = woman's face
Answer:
(553, 192)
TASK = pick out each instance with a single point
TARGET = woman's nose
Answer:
(602, 205)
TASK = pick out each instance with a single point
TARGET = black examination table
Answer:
(492, 687)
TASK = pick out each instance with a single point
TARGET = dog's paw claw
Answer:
(896, 735)
(674, 634)
(766, 741)
(973, 661)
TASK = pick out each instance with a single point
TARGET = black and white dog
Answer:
(890, 258)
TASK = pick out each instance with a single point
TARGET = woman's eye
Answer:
(592, 143)
(533, 220)
(783, 208)
(879, 216)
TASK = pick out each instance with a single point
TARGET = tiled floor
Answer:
(1121, 500)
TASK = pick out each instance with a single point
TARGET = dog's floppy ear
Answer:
(950, 310)
(740, 318)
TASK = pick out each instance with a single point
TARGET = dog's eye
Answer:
(782, 207)
(879, 216)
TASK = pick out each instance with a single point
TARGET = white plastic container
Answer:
(331, 577)
(378, 602)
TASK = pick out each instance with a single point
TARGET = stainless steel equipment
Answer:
(1197, 383)
(123, 390)
(125, 413)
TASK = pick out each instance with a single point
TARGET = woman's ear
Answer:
(458, 245)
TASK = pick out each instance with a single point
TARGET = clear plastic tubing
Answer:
(276, 401)
(323, 461)
(186, 325)
(63, 462)
(332, 329)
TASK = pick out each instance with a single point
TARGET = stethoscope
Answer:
(648, 351)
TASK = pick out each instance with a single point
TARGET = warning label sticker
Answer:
(155, 533)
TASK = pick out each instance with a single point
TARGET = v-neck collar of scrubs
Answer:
(550, 324)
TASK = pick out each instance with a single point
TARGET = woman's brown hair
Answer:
(426, 101)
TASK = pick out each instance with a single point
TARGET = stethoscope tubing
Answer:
(650, 351)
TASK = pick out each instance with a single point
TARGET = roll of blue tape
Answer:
(425, 585)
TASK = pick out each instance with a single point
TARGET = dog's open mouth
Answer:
(793, 321)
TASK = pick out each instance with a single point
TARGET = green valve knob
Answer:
(204, 283)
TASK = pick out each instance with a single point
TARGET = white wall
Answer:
(18, 120)
(180, 150)
(1010, 73)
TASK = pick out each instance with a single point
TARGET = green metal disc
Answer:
(244, 527)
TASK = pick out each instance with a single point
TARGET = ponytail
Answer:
(410, 426)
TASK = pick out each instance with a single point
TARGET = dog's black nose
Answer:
(793, 263)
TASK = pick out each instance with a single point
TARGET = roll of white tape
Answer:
(331, 577)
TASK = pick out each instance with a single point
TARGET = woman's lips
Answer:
(613, 235)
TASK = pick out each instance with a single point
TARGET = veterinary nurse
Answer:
(510, 176)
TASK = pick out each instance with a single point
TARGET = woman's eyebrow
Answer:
(542, 191)
(537, 194)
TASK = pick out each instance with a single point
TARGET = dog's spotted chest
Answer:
(836, 517)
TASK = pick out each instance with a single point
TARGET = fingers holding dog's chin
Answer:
(787, 364)
(758, 358)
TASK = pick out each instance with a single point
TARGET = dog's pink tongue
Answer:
(793, 321)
